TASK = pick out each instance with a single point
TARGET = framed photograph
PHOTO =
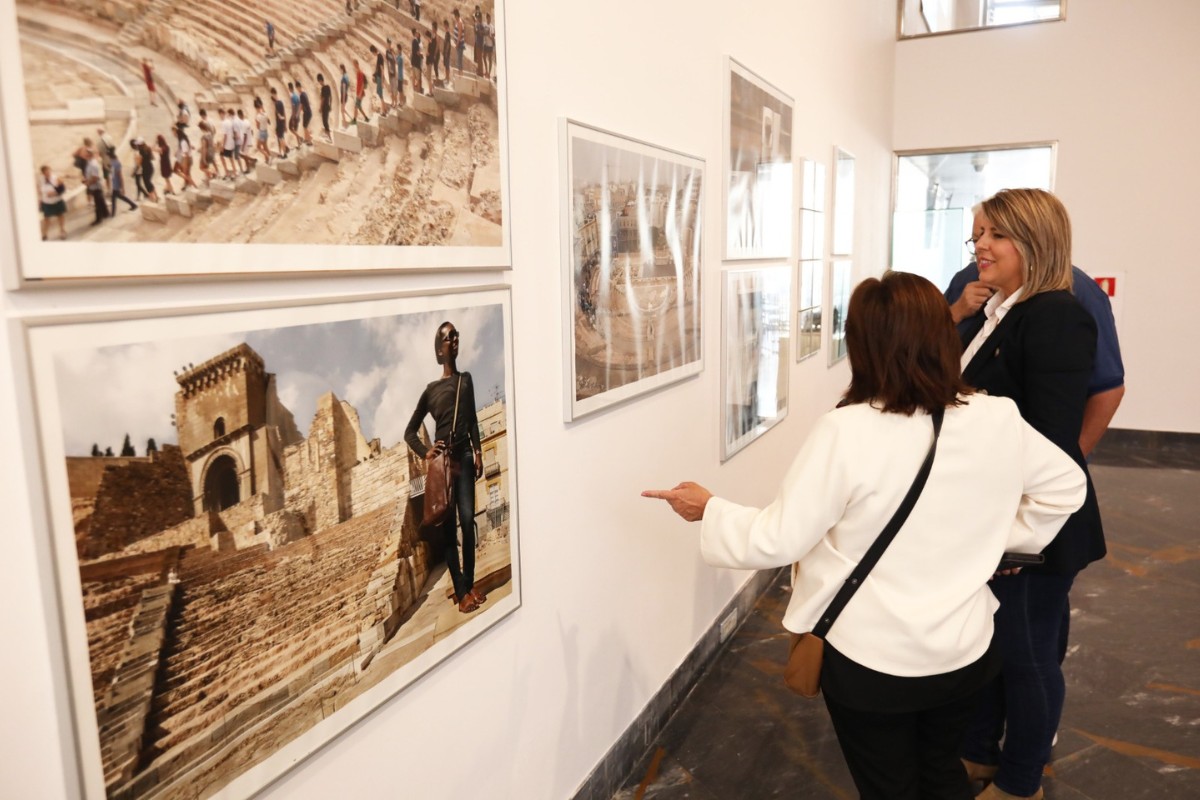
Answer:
(843, 202)
(808, 309)
(168, 141)
(757, 190)
(839, 301)
(633, 218)
(756, 314)
(237, 508)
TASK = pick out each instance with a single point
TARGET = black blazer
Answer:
(1040, 356)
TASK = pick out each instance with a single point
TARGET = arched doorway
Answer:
(221, 488)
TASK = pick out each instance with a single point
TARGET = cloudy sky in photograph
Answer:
(379, 365)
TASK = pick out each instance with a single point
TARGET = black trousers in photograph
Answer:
(911, 755)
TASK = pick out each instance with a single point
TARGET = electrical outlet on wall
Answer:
(728, 625)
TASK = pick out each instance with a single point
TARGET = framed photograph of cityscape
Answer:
(235, 502)
(633, 220)
(168, 140)
(839, 302)
(757, 187)
(756, 315)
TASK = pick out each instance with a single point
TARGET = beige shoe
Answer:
(979, 772)
(994, 793)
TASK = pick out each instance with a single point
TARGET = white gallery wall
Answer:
(1115, 86)
(614, 592)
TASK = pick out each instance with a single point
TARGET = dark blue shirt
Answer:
(1109, 370)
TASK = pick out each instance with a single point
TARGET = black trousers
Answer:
(908, 755)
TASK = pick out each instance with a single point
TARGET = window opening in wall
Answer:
(219, 428)
(932, 17)
(935, 190)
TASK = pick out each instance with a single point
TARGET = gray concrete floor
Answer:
(1131, 726)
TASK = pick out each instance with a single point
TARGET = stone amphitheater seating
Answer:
(253, 629)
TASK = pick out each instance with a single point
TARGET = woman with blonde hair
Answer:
(906, 660)
(1031, 342)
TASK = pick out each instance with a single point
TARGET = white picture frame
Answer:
(755, 320)
(840, 270)
(632, 323)
(279, 671)
(442, 198)
(757, 188)
(843, 202)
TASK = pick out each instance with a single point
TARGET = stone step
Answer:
(347, 142)
(177, 205)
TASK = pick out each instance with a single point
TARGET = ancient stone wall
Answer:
(84, 472)
(380, 480)
(138, 500)
(242, 521)
(195, 532)
(310, 471)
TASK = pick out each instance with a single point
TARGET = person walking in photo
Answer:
(183, 156)
(306, 113)
(208, 155)
(145, 167)
(294, 117)
(477, 52)
(415, 61)
(93, 178)
(344, 92)
(50, 200)
(377, 73)
(270, 38)
(148, 77)
(432, 60)
(450, 400)
(447, 49)
(389, 62)
(280, 123)
(415, 7)
(165, 168)
(228, 139)
(117, 182)
(360, 93)
(325, 101)
(460, 38)
(245, 150)
(489, 48)
(262, 125)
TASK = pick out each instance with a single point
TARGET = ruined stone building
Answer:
(238, 585)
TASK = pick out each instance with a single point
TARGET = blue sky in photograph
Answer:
(379, 365)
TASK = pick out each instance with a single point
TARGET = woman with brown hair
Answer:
(1034, 343)
(905, 661)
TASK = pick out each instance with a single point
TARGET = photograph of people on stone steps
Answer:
(265, 142)
(238, 524)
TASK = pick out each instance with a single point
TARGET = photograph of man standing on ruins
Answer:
(236, 520)
(633, 240)
(427, 173)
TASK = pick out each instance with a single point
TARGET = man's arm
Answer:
(1097, 414)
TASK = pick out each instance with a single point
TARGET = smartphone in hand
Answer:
(1019, 560)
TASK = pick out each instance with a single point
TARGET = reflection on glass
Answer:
(759, 172)
(839, 300)
(927, 17)
(935, 194)
(843, 203)
(808, 317)
(757, 352)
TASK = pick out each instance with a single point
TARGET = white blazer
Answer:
(996, 485)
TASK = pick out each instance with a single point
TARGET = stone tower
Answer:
(230, 426)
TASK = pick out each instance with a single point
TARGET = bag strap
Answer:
(454, 420)
(885, 537)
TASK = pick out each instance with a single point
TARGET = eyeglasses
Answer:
(970, 243)
(450, 336)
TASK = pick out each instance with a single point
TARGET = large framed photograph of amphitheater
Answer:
(235, 502)
(633, 218)
(332, 135)
(756, 320)
(757, 188)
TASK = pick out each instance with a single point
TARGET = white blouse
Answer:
(996, 485)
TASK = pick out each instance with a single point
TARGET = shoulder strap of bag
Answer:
(454, 420)
(881, 543)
